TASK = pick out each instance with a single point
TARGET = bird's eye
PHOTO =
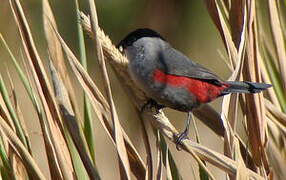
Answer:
(120, 49)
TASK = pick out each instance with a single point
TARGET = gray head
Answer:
(142, 43)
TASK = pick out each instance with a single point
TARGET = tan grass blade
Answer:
(117, 129)
(222, 25)
(231, 48)
(54, 47)
(230, 103)
(147, 144)
(53, 164)
(237, 20)
(71, 122)
(18, 167)
(159, 168)
(242, 172)
(211, 6)
(55, 171)
(276, 112)
(266, 79)
(18, 111)
(275, 155)
(55, 50)
(44, 90)
(254, 103)
(18, 146)
(168, 168)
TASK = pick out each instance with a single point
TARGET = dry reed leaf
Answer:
(49, 147)
(255, 112)
(18, 167)
(230, 46)
(55, 51)
(117, 129)
(266, 79)
(277, 132)
(5, 141)
(275, 155)
(212, 9)
(147, 144)
(159, 168)
(276, 112)
(237, 20)
(242, 172)
(44, 90)
(54, 46)
(147, 171)
(18, 146)
(18, 110)
(168, 168)
(229, 115)
(216, 13)
(71, 122)
(279, 40)
(60, 150)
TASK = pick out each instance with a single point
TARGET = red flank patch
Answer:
(204, 91)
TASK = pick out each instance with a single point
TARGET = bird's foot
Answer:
(184, 135)
(151, 103)
(179, 138)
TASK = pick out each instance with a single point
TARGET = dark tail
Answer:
(245, 87)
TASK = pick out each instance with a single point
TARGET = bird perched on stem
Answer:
(173, 80)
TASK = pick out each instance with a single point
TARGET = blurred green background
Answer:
(185, 24)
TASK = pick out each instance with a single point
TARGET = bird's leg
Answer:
(151, 103)
(184, 135)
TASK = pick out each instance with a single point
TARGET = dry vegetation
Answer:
(253, 33)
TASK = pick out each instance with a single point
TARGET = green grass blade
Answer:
(77, 162)
(21, 74)
(275, 79)
(88, 124)
(5, 164)
(174, 169)
(16, 121)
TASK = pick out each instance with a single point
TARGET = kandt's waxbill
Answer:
(172, 79)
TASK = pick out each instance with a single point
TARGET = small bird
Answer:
(173, 80)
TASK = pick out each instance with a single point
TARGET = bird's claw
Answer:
(179, 138)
